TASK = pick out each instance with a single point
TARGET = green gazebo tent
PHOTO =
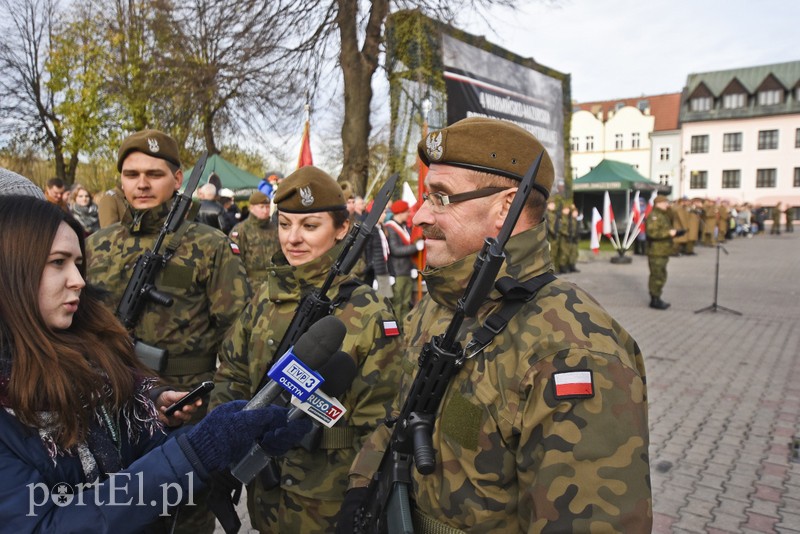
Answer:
(620, 180)
(239, 180)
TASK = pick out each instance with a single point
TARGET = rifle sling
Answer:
(515, 294)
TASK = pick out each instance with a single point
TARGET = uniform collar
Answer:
(289, 283)
(146, 221)
(527, 255)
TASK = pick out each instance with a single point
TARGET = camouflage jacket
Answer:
(249, 350)
(657, 226)
(513, 452)
(205, 278)
(258, 241)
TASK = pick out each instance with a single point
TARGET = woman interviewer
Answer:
(75, 416)
(312, 223)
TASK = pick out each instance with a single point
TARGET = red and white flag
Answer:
(305, 148)
(597, 229)
(572, 384)
(650, 204)
(608, 216)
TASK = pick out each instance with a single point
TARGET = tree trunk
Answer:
(358, 67)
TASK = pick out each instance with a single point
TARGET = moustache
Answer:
(431, 232)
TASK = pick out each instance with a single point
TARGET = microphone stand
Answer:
(714, 307)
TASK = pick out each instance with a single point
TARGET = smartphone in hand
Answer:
(193, 395)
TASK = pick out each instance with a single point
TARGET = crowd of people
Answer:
(544, 428)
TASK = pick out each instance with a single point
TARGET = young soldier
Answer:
(204, 277)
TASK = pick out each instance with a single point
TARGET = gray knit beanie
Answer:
(12, 183)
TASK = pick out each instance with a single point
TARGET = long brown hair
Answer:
(61, 371)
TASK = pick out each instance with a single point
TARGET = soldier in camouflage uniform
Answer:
(204, 277)
(313, 483)
(517, 449)
(660, 232)
(257, 238)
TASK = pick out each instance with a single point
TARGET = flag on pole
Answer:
(597, 228)
(305, 148)
(650, 204)
(608, 216)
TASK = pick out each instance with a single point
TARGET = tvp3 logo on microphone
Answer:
(298, 379)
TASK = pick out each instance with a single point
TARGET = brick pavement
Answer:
(724, 389)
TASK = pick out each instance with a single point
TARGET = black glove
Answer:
(353, 499)
(227, 433)
(679, 233)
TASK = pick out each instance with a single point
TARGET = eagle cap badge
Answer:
(434, 146)
(306, 197)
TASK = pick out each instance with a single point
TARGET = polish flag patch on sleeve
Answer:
(573, 385)
(235, 248)
(390, 328)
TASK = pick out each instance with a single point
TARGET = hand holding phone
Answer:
(193, 395)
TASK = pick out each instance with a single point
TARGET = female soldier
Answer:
(76, 417)
(312, 221)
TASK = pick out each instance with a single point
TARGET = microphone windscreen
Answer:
(338, 373)
(320, 341)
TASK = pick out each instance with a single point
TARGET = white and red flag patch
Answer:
(390, 328)
(235, 248)
(573, 385)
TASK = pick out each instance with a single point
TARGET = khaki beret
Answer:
(488, 145)
(258, 198)
(660, 198)
(151, 142)
(309, 190)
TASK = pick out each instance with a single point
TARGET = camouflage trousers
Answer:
(280, 512)
(658, 274)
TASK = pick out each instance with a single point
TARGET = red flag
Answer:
(305, 148)
(650, 203)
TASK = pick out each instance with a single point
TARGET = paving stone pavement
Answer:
(724, 389)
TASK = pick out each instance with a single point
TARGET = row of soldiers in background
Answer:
(709, 222)
(563, 233)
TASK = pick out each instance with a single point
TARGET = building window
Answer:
(664, 153)
(643, 105)
(797, 138)
(617, 141)
(619, 105)
(702, 103)
(732, 142)
(769, 97)
(796, 182)
(635, 140)
(766, 177)
(733, 101)
(767, 139)
(699, 144)
(574, 144)
(663, 179)
(589, 142)
(731, 179)
(698, 180)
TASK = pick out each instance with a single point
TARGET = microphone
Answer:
(314, 348)
(322, 405)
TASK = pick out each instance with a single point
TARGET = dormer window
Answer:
(769, 97)
(734, 101)
(700, 103)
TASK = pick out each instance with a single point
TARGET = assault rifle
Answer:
(141, 287)
(386, 507)
(314, 307)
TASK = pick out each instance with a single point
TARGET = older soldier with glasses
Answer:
(545, 428)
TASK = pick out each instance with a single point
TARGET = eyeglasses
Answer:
(440, 200)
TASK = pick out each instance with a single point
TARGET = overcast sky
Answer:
(625, 48)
